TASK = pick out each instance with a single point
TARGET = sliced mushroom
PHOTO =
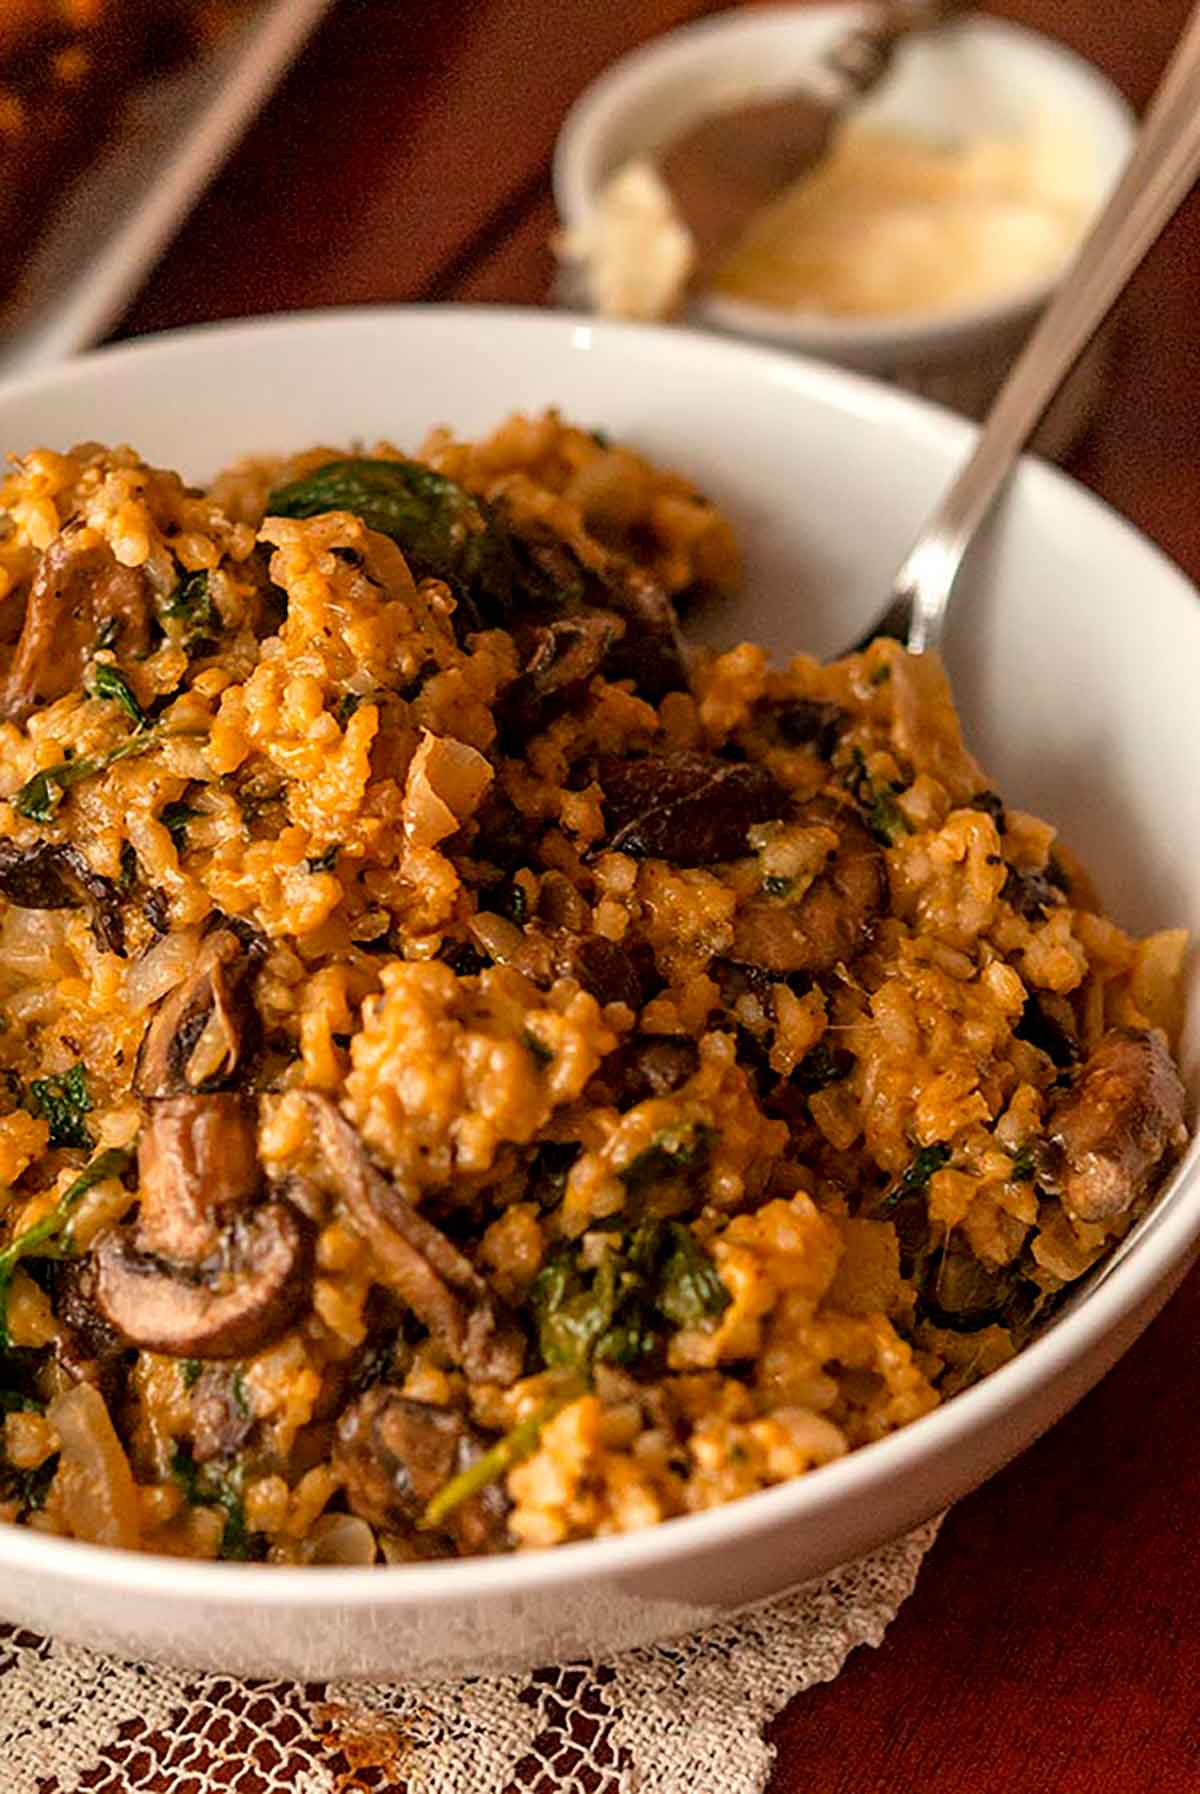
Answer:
(428, 1272)
(79, 587)
(1109, 1137)
(203, 1031)
(552, 581)
(806, 722)
(394, 1454)
(1049, 1023)
(651, 652)
(231, 1304)
(643, 1066)
(832, 919)
(691, 809)
(1031, 894)
(197, 1159)
(56, 875)
(561, 659)
(208, 1271)
(607, 970)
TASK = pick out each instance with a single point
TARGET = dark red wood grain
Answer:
(1051, 1646)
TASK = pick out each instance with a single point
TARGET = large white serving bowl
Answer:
(1075, 652)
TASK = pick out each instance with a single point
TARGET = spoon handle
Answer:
(859, 60)
(1158, 177)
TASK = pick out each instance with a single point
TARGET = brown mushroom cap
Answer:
(691, 809)
(562, 657)
(1109, 1137)
(205, 1274)
(231, 1304)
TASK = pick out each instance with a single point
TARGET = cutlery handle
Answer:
(1161, 171)
(859, 60)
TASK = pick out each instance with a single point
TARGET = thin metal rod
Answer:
(1160, 173)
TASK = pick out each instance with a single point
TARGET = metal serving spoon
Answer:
(723, 170)
(1160, 173)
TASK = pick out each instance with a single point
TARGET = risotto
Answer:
(477, 1074)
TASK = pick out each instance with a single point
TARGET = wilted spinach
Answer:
(27, 1487)
(674, 1152)
(111, 685)
(689, 1289)
(191, 605)
(615, 1314)
(175, 819)
(205, 1486)
(493, 1464)
(821, 1066)
(877, 801)
(40, 796)
(442, 531)
(63, 1102)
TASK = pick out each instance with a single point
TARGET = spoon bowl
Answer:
(728, 166)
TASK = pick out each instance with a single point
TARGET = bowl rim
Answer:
(814, 332)
(1162, 1241)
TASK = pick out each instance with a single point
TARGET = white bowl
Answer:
(982, 76)
(1074, 653)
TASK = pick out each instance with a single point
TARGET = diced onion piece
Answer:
(1158, 979)
(94, 1486)
(158, 970)
(509, 945)
(446, 781)
(339, 1539)
(28, 939)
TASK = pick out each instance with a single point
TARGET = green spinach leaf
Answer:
(39, 798)
(689, 1289)
(175, 819)
(442, 531)
(675, 1152)
(191, 605)
(205, 1486)
(114, 1161)
(493, 1464)
(63, 1102)
(112, 685)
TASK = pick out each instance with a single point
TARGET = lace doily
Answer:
(669, 1719)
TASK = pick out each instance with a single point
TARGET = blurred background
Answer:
(407, 156)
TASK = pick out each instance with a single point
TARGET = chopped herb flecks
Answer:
(205, 1486)
(108, 683)
(510, 1450)
(39, 797)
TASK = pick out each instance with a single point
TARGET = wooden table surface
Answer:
(1051, 1644)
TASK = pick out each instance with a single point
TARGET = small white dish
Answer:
(1073, 650)
(979, 77)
